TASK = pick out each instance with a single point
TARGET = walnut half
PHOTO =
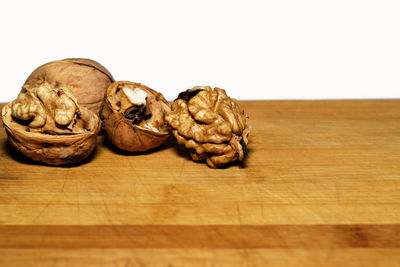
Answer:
(46, 124)
(133, 116)
(210, 124)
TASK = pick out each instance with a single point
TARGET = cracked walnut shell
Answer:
(46, 124)
(86, 78)
(213, 126)
(133, 116)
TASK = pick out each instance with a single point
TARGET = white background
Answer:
(253, 49)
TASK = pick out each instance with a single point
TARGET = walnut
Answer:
(133, 116)
(87, 79)
(211, 125)
(46, 124)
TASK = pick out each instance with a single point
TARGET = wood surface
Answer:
(320, 187)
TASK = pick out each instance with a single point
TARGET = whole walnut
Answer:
(133, 116)
(47, 124)
(87, 79)
(213, 126)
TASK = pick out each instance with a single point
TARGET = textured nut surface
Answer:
(87, 80)
(133, 116)
(48, 125)
(210, 124)
(49, 109)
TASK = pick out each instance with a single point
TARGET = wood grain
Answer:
(320, 186)
(212, 236)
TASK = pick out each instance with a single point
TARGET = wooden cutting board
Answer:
(320, 186)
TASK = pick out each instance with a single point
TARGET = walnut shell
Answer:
(46, 124)
(133, 116)
(86, 78)
(213, 126)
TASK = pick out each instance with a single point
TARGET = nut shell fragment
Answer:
(213, 126)
(86, 78)
(135, 124)
(47, 125)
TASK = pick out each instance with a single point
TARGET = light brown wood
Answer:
(320, 186)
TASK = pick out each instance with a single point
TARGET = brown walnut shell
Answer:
(135, 127)
(50, 145)
(86, 78)
(213, 126)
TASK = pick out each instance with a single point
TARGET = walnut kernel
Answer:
(213, 126)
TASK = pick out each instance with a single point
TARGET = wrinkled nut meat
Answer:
(46, 124)
(211, 125)
(133, 116)
(87, 79)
